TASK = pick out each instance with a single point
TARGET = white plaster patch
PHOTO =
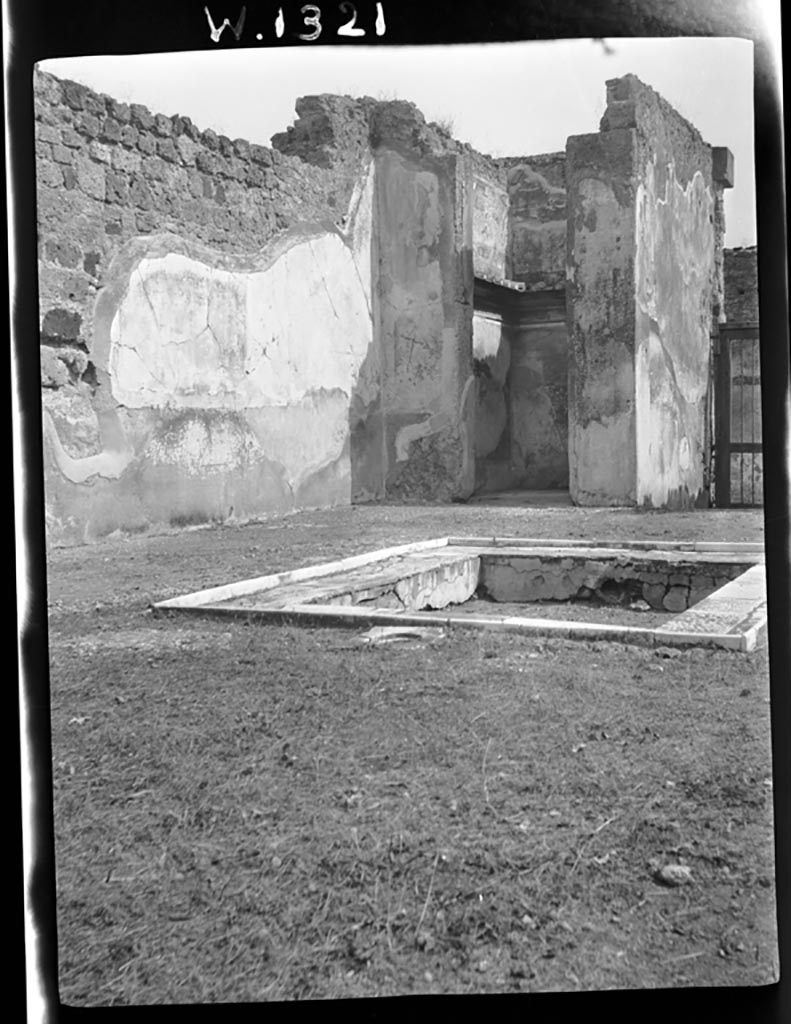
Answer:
(490, 345)
(277, 337)
(109, 463)
(308, 324)
(188, 335)
(451, 583)
(414, 431)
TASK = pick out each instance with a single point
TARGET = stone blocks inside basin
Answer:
(656, 583)
(682, 594)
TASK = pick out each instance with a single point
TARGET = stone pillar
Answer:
(643, 242)
(423, 313)
(600, 172)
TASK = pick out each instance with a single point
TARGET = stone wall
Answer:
(661, 585)
(537, 198)
(741, 286)
(109, 171)
(213, 339)
(229, 330)
(205, 306)
(644, 228)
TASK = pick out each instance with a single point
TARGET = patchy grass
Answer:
(258, 812)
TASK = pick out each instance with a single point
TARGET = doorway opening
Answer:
(520, 353)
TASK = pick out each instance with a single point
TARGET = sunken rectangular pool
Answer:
(701, 594)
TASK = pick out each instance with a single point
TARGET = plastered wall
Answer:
(492, 363)
(491, 226)
(521, 429)
(537, 221)
(601, 311)
(645, 226)
(538, 405)
(520, 348)
(677, 293)
(226, 331)
(423, 314)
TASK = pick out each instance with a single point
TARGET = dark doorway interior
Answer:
(520, 348)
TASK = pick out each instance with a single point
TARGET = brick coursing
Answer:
(108, 171)
(741, 286)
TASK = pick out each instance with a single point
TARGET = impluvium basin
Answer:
(702, 594)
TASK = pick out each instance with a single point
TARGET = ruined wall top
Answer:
(109, 171)
(630, 102)
(331, 128)
(328, 128)
(660, 128)
(96, 114)
(551, 166)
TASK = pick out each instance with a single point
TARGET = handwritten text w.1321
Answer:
(307, 24)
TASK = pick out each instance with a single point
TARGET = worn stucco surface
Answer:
(491, 228)
(521, 429)
(537, 197)
(673, 267)
(678, 279)
(230, 331)
(224, 382)
(601, 319)
(645, 293)
(423, 323)
(538, 403)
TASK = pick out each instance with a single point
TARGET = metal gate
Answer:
(738, 445)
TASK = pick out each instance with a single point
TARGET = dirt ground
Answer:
(250, 813)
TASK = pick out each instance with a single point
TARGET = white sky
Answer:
(505, 99)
